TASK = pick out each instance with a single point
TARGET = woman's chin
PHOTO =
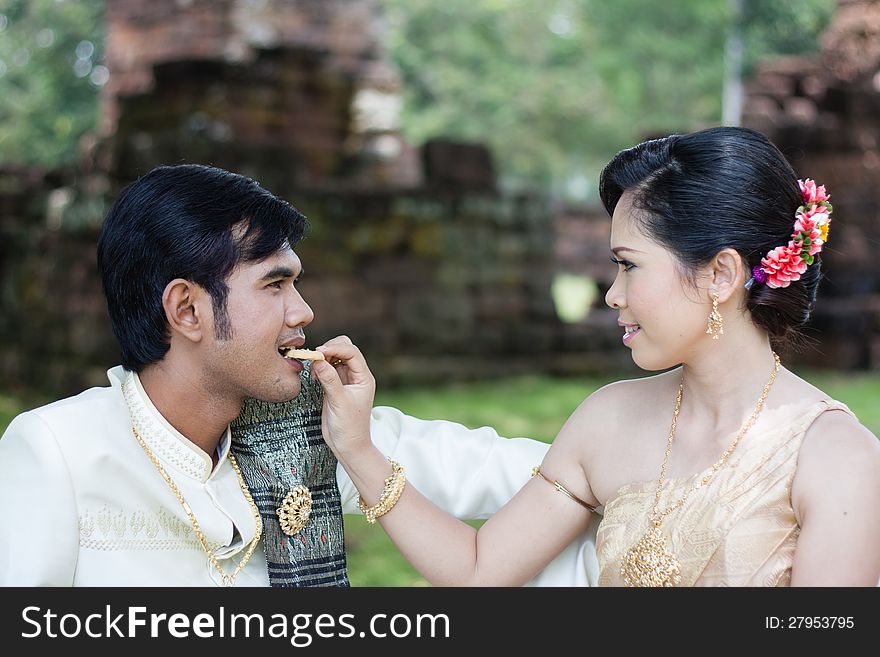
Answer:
(651, 362)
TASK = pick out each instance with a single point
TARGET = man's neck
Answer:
(187, 406)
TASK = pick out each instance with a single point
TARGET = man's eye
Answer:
(276, 284)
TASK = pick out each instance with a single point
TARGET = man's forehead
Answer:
(286, 257)
(282, 261)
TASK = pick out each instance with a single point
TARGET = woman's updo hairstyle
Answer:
(699, 193)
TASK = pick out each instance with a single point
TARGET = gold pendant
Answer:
(295, 510)
(649, 563)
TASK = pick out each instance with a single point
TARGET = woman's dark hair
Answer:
(699, 193)
(187, 221)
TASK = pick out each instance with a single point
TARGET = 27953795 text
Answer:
(808, 622)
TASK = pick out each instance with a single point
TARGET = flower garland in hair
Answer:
(785, 264)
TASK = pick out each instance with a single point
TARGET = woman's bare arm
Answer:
(509, 549)
(836, 494)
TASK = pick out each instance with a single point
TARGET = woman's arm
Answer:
(508, 550)
(471, 473)
(836, 494)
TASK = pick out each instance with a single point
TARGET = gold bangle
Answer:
(394, 485)
(562, 489)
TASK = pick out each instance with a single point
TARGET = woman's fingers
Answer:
(328, 377)
(340, 352)
(348, 395)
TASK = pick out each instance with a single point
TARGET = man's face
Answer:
(265, 312)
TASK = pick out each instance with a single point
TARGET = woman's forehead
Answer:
(628, 231)
(624, 225)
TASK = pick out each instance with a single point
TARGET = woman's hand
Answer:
(349, 388)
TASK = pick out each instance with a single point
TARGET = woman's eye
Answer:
(627, 265)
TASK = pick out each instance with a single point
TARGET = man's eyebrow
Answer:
(620, 249)
(280, 272)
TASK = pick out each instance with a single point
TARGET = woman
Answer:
(725, 470)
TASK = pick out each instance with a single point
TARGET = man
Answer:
(138, 484)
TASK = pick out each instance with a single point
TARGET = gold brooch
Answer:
(295, 510)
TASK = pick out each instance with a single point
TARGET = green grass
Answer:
(533, 406)
(9, 408)
(860, 391)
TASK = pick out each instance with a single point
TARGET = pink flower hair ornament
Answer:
(812, 220)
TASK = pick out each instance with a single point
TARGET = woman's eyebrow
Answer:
(620, 249)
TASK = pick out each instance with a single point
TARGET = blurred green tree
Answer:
(50, 73)
(557, 87)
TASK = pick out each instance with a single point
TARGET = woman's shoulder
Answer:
(601, 419)
(618, 405)
(615, 415)
(797, 389)
(824, 415)
(836, 433)
(838, 454)
(622, 394)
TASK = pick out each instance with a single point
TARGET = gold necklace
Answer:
(226, 579)
(649, 562)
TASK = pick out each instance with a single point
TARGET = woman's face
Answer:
(662, 316)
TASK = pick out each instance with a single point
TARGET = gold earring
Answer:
(716, 321)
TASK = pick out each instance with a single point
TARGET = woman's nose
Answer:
(614, 297)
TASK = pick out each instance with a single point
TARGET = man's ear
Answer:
(184, 304)
(727, 274)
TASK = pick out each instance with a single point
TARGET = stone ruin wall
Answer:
(824, 113)
(432, 287)
(420, 260)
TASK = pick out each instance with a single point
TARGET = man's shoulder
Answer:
(83, 402)
(65, 439)
(85, 411)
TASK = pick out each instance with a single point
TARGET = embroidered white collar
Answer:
(169, 445)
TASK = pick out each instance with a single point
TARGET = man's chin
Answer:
(281, 394)
(293, 392)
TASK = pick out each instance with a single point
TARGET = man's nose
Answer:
(299, 313)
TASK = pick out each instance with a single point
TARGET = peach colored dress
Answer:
(739, 529)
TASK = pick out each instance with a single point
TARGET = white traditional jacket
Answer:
(81, 504)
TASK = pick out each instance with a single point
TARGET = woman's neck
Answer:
(724, 379)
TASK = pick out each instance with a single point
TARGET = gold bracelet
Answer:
(394, 484)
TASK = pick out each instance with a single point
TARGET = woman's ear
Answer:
(183, 302)
(727, 273)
